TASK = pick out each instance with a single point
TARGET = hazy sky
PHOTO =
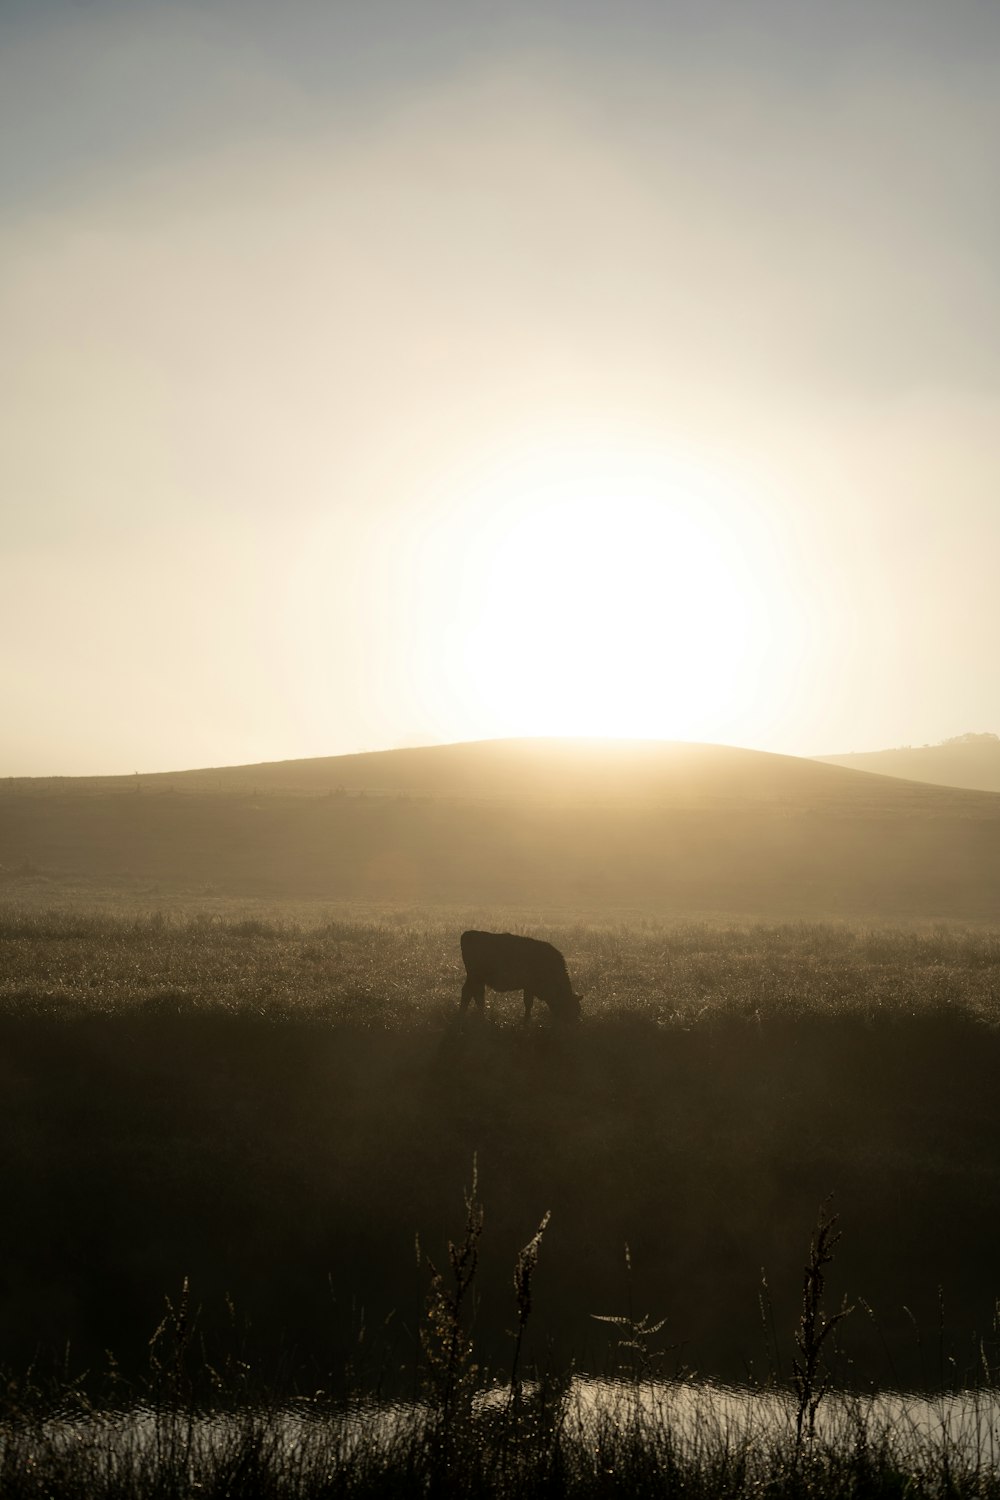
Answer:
(388, 372)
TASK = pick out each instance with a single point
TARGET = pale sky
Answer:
(394, 372)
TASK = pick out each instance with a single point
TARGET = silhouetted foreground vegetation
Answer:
(633, 1444)
(194, 1427)
(629, 1440)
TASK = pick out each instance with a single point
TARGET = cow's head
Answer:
(568, 1007)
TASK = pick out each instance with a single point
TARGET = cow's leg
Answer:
(471, 991)
(528, 1001)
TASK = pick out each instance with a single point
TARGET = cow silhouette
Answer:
(505, 961)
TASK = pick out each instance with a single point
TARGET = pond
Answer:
(700, 1418)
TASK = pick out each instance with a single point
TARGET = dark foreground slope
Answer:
(968, 760)
(275, 1113)
(525, 825)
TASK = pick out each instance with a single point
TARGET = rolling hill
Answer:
(968, 760)
(610, 828)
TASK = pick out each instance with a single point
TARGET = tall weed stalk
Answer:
(810, 1374)
(445, 1339)
(524, 1270)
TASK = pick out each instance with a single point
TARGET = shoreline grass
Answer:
(197, 1427)
(558, 1450)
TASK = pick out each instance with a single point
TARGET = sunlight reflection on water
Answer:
(966, 1423)
(699, 1416)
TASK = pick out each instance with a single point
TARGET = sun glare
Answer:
(588, 589)
(610, 593)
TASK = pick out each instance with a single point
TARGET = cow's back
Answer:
(508, 961)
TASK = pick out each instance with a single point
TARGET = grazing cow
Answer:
(505, 961)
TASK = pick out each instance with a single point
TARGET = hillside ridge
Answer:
(970, 761)
(642, 826)
(560, 769)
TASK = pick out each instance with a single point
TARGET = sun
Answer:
(607, 592)
(582, 587)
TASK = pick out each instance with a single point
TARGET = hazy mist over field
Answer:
(415, 372)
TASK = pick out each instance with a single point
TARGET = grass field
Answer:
(276, 1110)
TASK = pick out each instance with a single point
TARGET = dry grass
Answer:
(406, 969)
